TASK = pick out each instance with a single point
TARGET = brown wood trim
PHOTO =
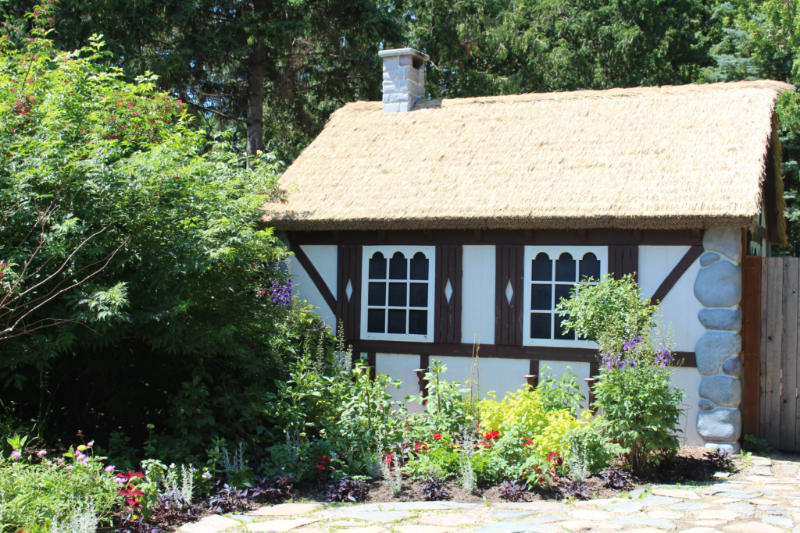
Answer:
(602, 236)
(509, 268)
(533, 368)
(538, 353)
(623, 259)
(314, 274)
(348, 310)
(447, 314)
(751, 342)
(680, 269)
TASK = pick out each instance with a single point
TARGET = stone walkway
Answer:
(762, 498)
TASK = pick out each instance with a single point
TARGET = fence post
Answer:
(532, 380)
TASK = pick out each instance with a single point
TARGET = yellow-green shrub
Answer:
(525, 411)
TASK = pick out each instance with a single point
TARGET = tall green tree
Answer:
(270, 72)
(136, 235)
(555, 45)
(761, 39)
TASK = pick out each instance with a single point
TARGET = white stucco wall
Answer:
(304, 288)
(324, 257)
(399, 366)
(477, 300)
(688, 379)
(677, 313)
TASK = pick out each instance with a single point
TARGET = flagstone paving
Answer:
(763, 497)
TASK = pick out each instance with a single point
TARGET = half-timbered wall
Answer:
(484, 304)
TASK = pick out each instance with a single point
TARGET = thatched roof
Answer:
(687, 156)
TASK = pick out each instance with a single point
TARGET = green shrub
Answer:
(642, 411)
(527, 414)
(328, 408)
(33, 492)
(591, 450)
(634, 395)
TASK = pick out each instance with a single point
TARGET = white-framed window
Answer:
(550, 274)
(397, 293)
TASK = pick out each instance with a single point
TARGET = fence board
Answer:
(789, 355)
(751, 343)
(762, 397)
(774, 346)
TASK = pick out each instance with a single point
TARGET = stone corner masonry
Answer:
(403, 78)
(718, 288)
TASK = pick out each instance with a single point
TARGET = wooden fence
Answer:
(779, 404)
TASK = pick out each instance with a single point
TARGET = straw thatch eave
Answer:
(678, 157)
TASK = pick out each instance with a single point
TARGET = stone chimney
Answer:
(403, 79)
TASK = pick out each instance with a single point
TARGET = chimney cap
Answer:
(402, 52)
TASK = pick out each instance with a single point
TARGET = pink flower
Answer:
(69, 467)
(90, 444)
(109, 468)
(15, 455)
(41, 453)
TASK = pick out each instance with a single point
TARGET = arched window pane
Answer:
(590, 267)
(397, 266)
(377, 266)
(419, 266)
(565, 268)
(542, 268)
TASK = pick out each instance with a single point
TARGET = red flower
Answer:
(491, 435)
(555, 457)
(437, 436)
(420, 446)
(388, 458)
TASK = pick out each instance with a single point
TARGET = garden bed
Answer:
(692, 464)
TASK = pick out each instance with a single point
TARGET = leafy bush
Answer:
(633, 394)
(607, 311)
(513, 491)
(614, 477)
(433, 488)
(561, 393)
(34, 491)
(577, 489)
(529, 416)
(642, 411)
(447, 407)
(591, 448)
(328, 409)
(134, 232)
(347, 489)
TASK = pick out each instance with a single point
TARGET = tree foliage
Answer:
(103, 176)
(556, 45)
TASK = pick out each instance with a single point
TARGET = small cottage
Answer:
(434, 228)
